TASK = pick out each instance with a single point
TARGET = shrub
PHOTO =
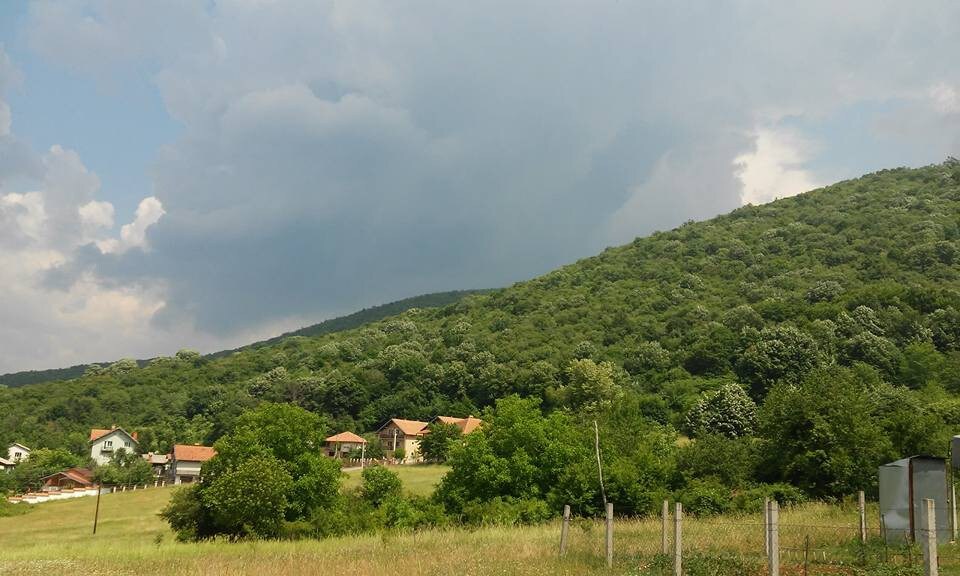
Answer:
(751, 501)
(507, 511)
(379, 484)
(705, 498)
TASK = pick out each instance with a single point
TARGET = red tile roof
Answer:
(408, 427)
(78, 475)
(97, 433)
(466, 425)
(193, 453)
(347, 437)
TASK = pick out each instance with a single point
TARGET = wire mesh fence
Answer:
(812, 539)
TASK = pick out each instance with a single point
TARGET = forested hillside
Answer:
(339, 323)
(836, 311)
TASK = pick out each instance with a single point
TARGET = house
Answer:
(341, 444)
(466, 425)
(398, 433)
(186, 461)
(67, 480)
(17, 452)
(6, 465)
(158, 462)
(105, 443)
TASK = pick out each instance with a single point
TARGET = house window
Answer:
(17, 455)
(107, 446)
(126, 444)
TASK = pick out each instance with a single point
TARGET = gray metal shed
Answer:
(904, 484)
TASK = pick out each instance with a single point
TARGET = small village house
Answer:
(6, 465)
(406, 434)
(342, 444)
(105, 443)
(17, 452)
(68, 480)
(186, 461)
(158, 463)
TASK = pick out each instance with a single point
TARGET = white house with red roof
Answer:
(186, 461)
(104, 443)
(398, 433)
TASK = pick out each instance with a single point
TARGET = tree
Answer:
(435, 445)
(783, 353)
(378, 484)
(250, 500)
(124, 469)
(727, 411)
(42, 462)
(591, 387)
(822, 435)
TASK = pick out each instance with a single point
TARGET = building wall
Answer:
(12, 452)
(185, 471)
(103, 448)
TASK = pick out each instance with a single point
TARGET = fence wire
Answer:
(814, 539)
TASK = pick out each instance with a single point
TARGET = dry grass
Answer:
(56, 537)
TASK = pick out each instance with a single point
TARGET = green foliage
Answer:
(124, 469)
(379, 484)
(435, 446)
(859, 277)
(266, 472)
(42, 462)
(727, 411)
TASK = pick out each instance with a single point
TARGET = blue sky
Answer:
(185, 174)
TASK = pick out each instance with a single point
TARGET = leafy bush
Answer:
(379, 484)
(507, 511)
(705, 498)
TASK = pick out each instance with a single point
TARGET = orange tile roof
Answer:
(347, 437)
(78, 475)
(470, 424)
(97, 433)
(192, 453)
(466, 425)
(408, 427)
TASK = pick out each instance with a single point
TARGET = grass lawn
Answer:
(419, 479)
(56, 537)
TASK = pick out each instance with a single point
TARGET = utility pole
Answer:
(96, 515)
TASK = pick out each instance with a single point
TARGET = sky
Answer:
(202, 174)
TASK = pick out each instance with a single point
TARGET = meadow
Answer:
(132, 539)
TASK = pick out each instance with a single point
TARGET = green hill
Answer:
(372, 314)
(861, 274)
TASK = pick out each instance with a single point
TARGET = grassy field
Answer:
(131, 539)
(418, 480)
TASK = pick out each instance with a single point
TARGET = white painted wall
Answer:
(102, 449)
(16, 452)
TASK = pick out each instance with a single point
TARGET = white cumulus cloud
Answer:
(134, 234)
(774, 169)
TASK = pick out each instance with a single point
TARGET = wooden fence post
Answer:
(929, 531)
(665, 528)
(862, 507)
(773, 539)
(609, 534)
(766, 526)
(677, 540)
(564, 529)
(953, 511)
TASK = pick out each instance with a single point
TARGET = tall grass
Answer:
(131, 539)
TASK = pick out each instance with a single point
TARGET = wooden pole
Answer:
(665, 528)
(929, 527)
(677, 540)
(806, 553)
(774, 539)
(862, 507)
(766, 526)
(96, 514)
(609, 534)
(564, 529)
(953, 510)
(596, 443)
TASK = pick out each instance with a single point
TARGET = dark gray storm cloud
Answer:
(338, 154)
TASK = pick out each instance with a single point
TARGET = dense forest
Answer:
(803, 341)
(337, 324)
